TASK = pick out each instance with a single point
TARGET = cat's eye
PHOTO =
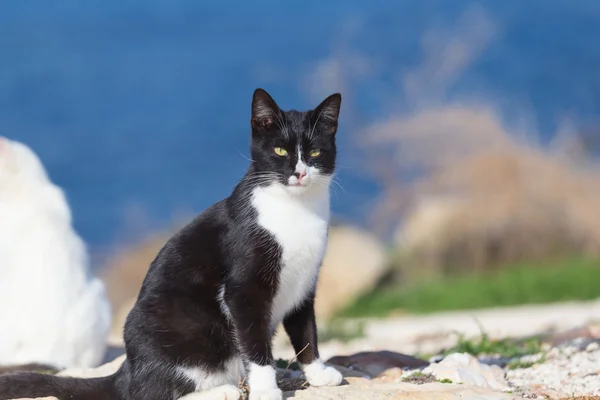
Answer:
(280, 151)
(315, 153)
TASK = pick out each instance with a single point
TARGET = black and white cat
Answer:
(217, 291)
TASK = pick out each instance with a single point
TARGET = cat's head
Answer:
(294, 148)
(19, 165)
(24, 181)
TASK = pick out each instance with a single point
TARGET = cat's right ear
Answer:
(4, 145)
(7, 157)
(265, 112)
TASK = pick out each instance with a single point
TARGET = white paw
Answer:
(326, 376)
(270, 394)
(263, 383)
(225, 392)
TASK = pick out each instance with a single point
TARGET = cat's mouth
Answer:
(299, 180)
(298, 184)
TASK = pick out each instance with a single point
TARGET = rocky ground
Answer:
(542, 352)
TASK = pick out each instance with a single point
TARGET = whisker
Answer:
(265, 175)
(249, 159)
(335, 181)
(335, 193)
(286, 127)
(316, 122)
(341, 166)
(282, 124)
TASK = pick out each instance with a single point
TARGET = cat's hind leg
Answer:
(225, 392)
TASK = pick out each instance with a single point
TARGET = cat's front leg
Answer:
(250, 312)
(301, 327)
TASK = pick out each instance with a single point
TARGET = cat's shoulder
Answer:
(198, 239)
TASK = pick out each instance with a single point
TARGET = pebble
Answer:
(594, 346)
(466, 369)
(572, 372)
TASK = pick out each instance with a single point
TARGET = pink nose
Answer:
(300, 175)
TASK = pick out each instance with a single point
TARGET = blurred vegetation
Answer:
(419, 378)
(287, 364)
(492, 217)
(507, 347)
(483, 211)
(343, 331)
(511, 353)
(521, 283)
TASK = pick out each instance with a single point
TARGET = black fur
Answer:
(177, 319)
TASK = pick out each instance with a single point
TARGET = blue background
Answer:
(140, 109)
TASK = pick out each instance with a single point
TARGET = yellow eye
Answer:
(280, 151)
(315, 153)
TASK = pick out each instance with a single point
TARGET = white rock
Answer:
(592, 347)
(464, 368)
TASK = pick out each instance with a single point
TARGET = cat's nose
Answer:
(300, 175)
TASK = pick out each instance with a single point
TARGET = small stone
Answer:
(464, 368)
(391, 375)
(567, 337)
(436, 359)
(592, 347)
(378, 362)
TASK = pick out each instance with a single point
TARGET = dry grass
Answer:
(483, 197)
(468, 188)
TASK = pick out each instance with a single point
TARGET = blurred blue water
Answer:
(145, 104)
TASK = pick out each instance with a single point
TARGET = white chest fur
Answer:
(299, 223)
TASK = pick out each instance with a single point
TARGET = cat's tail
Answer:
(31, 385)
(32, 367)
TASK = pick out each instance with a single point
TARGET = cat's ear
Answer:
(327, 113)
(7, 156)
(4, 146)
(265, 112)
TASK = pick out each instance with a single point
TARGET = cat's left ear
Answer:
(4, 146)
(7, 156)
(327, 113)
(265, 112)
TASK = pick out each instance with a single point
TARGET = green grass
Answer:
(559, 280)
(520, 364)
(285, 364)
(419, 378)
(526, 364)
(483, 345)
